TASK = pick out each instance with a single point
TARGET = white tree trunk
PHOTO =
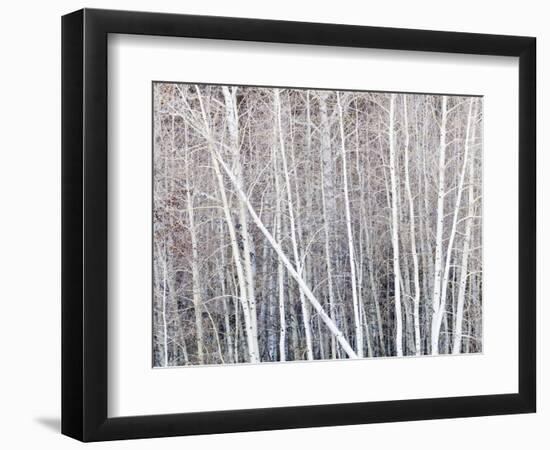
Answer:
(356, 312)
(329, 206)
(281, 286)
(395, 233)
(438, 269)
(416, 299)
(246, 239)
(280, 268)
(457, 331)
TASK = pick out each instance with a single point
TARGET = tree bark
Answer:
(436, 323)
(395, 233)
(457, 331)
(356, 312)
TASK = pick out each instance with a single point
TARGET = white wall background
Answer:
(30, 230)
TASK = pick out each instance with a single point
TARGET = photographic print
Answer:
(295, 224)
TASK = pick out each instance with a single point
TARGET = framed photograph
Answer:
(273, 225)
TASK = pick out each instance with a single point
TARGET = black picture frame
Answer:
(85, 236)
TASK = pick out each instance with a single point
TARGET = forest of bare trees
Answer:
(294, 224)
